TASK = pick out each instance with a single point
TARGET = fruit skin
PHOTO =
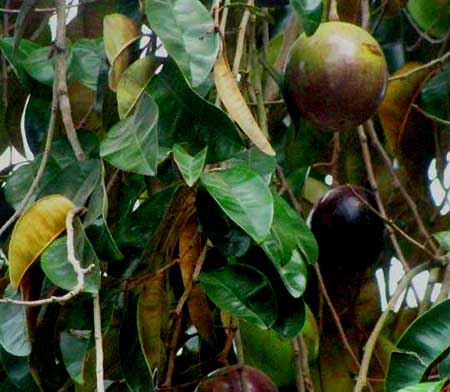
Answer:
(336, 78)
(349, 234)
(231, 378)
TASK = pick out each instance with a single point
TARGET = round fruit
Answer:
(336, 78)
(349, 233)
(237, 378)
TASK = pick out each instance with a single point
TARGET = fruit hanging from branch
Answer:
(348, 231)
(336, 78)
(237, 378)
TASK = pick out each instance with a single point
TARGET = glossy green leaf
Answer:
(242, 291)
(291, 315)
(265, 350)
(87, 56)
(25, 48)
(137, 228)
(255, 159)
(60, 271)
(309, 13)
(19, 373)
(187, 32)
(435, 95)
(432, 17)
(419, 347)
(132, 84)
(244, 197)
(39, 66)
(37, 116)
(185, 117)
(13, 329)
(435, 386)
(191, 167)
(132, 144)
(74, 346)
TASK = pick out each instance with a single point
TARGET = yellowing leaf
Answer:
(150, 308)
(34, 231)
(132, 84)
(234, 102)
(119, 32)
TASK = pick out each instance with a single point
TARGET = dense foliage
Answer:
(158, 229)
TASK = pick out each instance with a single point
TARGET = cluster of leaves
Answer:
(186, 228)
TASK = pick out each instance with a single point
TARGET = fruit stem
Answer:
(333, 15)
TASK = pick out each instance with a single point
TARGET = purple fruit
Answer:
(237, 378)
(349, 233)
(336, 78)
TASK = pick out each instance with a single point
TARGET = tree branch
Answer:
(98, 344)
(61, 77)
(79, 270)
(371, 342)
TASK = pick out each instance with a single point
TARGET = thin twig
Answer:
(241, 38)
(305, 363)
(61, 72)
(371, 342)
(422, 34)
(431, 64)
(98, 344)
(430, 116)
(71, 257)
(299, 378)
(333, 15)
(4, 62)
(373, 183)
(335, 316)
(365, 14)
(368, 127)
(285, 184)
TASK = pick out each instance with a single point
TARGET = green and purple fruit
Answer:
(336, 78)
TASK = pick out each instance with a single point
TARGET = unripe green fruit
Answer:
(336, 78)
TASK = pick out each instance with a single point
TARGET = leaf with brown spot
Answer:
(119, 33)
(34, 231)
(150, 308)
(82, 100)
(199, 310)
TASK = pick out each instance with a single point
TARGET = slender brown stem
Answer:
(431, 64)
(61, 76)
(285, 184)
(300, 380)
(335, 316)
(241, 38)
(430, 116)
(368, 126)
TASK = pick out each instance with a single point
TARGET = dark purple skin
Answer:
(349, 234)
(232, 378)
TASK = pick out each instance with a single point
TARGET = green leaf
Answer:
(432, 17)
(435, 95)
(19, 373)
(132, 144)
(37, 117)
(24, 50)
(419, 347)
(13, 329)
(242, 291)
(185, 117)
(191, 167)
(87, 56)
(132, 84)
(255, 159)
(74, 346)
(244, 197)
(435, 386)
(60, 271)
(291, 244)
(309, 13)
(187, 32)
(291, 315)
(39, 66)
(265, 350)
(443, 238)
